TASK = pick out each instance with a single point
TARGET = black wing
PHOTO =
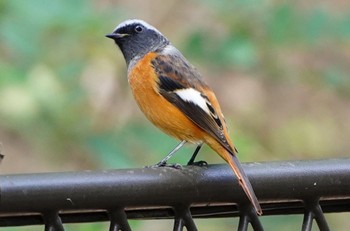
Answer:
(176, 74)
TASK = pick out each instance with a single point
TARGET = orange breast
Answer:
(163, 114)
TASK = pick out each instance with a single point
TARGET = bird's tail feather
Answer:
(243, 181)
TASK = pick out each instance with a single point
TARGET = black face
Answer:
(136, 40)
(132, 29)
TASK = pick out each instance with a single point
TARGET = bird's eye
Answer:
(138, 29)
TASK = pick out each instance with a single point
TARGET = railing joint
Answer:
(313, 211)
(183, 218)
(248, 215)
(119, 220)
(52, 221)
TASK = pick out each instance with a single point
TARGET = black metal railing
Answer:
(310, 187)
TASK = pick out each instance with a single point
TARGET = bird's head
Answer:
(136, 38)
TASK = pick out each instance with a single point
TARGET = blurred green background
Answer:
(280, 70)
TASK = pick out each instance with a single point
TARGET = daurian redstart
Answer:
(174, 97)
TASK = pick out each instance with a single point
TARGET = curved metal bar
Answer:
(152, 193)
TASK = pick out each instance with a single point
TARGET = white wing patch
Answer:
(193, 96)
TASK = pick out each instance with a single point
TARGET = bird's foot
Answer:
(200, 163)
(164, 164)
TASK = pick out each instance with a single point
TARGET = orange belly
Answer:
(157, 109)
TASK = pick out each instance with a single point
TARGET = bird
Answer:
(172, 94)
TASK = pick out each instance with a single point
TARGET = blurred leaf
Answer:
(343, 27)
(101, 226)
(109, 150)
(316, 26)
(338, 79)
(238, 52)
(136, 145)
(282, 26)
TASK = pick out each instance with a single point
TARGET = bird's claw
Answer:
(164, 164)
(200, 163)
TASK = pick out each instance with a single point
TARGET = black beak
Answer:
(116, 36)
(111, 36)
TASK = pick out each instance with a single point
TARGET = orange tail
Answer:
(243, 180)
(228, 152)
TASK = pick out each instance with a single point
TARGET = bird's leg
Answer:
(194, 155)
(165, 159)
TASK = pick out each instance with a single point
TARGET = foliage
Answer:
(282, 72)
